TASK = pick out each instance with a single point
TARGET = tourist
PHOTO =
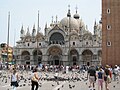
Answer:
(107, 78)
(35, 79)
(100, 76)
(115, 73)
(14, 79)
(92, 76)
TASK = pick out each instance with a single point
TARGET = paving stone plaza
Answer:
(48, 82)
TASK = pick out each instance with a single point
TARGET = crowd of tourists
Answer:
(95, 74)
(105, 74)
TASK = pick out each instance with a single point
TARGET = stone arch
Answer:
(37, 56)
(56, 38)
(87, 36)
(25, 55)
(74, 57)
(87, 56)
(54, 55)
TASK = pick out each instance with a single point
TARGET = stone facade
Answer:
(65, 42)
(111, 32)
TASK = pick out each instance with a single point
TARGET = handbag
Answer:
(108, 79)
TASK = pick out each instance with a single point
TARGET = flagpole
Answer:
(37, 37)
(14, 37)
(14, 48)
(8, 36)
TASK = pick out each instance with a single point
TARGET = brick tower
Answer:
(111, 32)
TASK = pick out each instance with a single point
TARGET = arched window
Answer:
(56, 38)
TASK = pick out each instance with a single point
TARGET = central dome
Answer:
(73, 23)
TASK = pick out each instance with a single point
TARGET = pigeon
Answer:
(53, 85)
(73, 86)
(20, 85)
(29, 84)
(70, 86)
(23, 84)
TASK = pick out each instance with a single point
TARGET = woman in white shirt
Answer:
(14, 79)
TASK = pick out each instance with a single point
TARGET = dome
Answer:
(76, 16)
(73, 23)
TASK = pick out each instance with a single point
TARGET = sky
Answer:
(25, 12)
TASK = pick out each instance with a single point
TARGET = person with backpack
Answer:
(100, 76)
(107, 78)
(92, 76)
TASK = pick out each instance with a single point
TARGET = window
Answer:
(108, 11)
(28, 44)
(108, 43)
(73, 43)
(108, 27)
(39, 44)
(86, 43)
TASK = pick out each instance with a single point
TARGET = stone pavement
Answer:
(25, 83)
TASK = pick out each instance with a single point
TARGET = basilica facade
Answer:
(64, 42)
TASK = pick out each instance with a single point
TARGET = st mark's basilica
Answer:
(64, 42)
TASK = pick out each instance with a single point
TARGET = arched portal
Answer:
(74, 57)
(25, 56)
(37, 56)
(87, 57)
(55, 54)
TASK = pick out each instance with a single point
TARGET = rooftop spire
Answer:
(52, 19)
(76, 16)
(34, 26)
(95, 23)
(76, 8)
(28, 32)
(56, 18)
(68, 14)
(22, 31)
(33, 31)
(46, 25)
